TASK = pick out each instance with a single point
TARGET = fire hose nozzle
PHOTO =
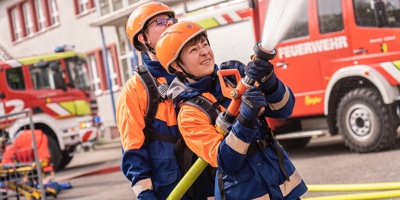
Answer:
(263, 53)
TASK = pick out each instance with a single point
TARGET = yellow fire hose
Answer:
(352, 187)
(188, 179)
(359, 196)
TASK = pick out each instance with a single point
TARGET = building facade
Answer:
(94, 27)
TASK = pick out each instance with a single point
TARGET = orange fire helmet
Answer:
(171, 42)
(138, 18)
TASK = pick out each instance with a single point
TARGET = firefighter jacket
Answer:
(21, 151)
(151, 167)
(242, 176)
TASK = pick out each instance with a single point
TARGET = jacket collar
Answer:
(156, 69)
(181, 89)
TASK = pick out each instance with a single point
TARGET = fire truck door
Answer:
(12, 90)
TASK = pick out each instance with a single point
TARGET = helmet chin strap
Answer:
(147, 44)
(185, 74)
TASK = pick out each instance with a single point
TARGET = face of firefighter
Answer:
(196, 58)
(155, 27)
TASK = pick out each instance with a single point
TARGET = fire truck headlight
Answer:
(84, 125)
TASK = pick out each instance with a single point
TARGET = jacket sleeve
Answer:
(234, 148)
(130, 112)
(200, 136)
(203, 139)
(281, 102)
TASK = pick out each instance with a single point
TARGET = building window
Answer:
(123, 40)
(111, 70)
(16, 24)
(83, 6)
(104, 7)
(94, 76)
(30, 16)
(53, 11)
(132, 1)
(40, 18)
(98, 73)
(117, 4)
(126, 70)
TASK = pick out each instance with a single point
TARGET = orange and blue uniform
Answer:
(21, 151)
(152, 167)
(240, 175)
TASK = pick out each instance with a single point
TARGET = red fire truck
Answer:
(57, 90)
(341, 58)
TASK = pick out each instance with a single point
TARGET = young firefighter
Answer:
(246, 169)
(149, 160)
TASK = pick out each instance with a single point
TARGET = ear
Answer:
(141, 38)
(174, 65)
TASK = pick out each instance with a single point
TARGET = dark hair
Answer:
(196, 39)
(192, 41)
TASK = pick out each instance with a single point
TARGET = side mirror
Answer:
(59, 81)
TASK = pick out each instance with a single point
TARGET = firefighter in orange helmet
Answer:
(149, 160)
(250, 163)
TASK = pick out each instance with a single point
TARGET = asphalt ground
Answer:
(96, 175)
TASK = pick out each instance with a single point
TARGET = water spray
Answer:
(279, 17)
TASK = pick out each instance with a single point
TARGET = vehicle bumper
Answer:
(89, 134)
(71, 138)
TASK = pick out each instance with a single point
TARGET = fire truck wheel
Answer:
(65, 159)
(365, 122)
(55, 152)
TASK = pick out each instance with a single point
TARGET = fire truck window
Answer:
(15, 79)
(300, 25)
(330, 16)
(42, 78)
(377, 13)
(78, 73)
